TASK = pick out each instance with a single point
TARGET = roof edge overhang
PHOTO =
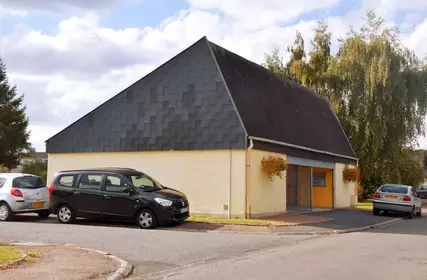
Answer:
(300, 147)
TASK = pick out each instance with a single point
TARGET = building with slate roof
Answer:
(202, 122)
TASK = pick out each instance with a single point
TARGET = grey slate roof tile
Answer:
(184, 105)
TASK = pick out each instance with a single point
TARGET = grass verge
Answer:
(365, 205)
(9, 254)
(235, 221)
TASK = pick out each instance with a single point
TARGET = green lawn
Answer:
(8, 254)
(235, 221)
(367, 205)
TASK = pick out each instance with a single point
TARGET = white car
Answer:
(23, 193)
(397, 198)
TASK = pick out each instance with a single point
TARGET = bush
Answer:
(3, 169)
(38, 168)
(370, 186)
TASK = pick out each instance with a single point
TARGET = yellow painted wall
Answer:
(323, 195)
(204, 176)
(345, 193)
(265, 197)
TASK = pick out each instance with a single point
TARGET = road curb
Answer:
(343, 231)
(124, 270)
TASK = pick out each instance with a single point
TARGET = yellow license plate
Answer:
(391, 196)
(37, 204)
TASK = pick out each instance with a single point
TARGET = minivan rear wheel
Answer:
(5, 212)
(146, 219)
(66, 214)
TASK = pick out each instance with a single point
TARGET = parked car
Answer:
(121, 194)
(397, 198)
(422, 192)
(23, 193)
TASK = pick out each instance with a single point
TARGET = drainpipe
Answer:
(229, 186)
(248, 180)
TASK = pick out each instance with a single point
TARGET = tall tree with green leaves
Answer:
(13, 123)
(377, 87)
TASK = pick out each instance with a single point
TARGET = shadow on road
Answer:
(33, 218)
(416, 226)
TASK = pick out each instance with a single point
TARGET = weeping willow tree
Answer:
(377, 87)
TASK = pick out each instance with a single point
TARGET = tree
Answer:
(377, 88)
(36, 167)
(13, 123)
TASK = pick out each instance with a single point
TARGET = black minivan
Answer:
(122, 194)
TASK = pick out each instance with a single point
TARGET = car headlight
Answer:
(163, 202)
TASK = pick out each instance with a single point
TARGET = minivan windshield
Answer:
(28, 182)
(144, 182)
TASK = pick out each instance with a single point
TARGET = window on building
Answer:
(319, 179)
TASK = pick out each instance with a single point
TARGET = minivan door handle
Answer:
(77, 193)
(107, 196)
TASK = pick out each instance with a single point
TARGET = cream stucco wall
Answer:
(345, 193)
(204, 176)
(265, 197)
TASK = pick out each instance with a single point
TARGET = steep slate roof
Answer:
(279, 110)
(190, 103)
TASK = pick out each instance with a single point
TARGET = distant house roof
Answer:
(265, 106)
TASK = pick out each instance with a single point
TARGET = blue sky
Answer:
(75, 54)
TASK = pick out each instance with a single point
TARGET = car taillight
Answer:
(16, 192)
(407, 198)
(51, 188)
(377, 195)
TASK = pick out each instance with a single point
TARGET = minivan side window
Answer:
(90, 182)
(67, 180)
(115, 184)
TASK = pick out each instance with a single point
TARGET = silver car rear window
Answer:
(394, 189)
(2, 181)
(28, 182)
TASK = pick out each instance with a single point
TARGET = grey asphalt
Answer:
(342, 220)
(148, 250)
(391, 253)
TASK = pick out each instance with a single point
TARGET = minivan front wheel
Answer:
(66, 215)
(146, 219)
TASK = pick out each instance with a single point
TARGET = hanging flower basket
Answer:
(350, 174)
(273, 166)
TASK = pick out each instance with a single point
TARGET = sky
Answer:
(69, 56)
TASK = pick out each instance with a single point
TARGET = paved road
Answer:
(394, 252)
(148, 250)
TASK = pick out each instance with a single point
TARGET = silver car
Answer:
(397, 198)
(23, 193)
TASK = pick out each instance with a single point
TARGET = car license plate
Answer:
(391, 196)
(183, 210)
(37, 204)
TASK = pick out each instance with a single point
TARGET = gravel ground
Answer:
(62, 262)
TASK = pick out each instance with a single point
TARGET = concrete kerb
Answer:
(342, 231)
(124, 270)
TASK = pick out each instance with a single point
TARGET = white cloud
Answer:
(22, 7)
(66, 74)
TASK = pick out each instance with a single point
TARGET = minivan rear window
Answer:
(394, 189)
(28, 182)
